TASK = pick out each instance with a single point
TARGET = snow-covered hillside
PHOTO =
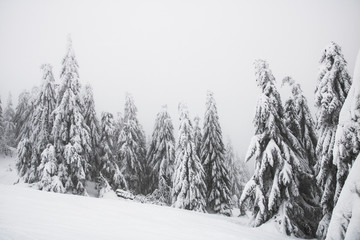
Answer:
(27, 213)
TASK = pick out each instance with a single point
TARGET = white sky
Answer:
(164, 52)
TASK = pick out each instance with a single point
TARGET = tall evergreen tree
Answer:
(22, 117)
(2, 131)
(41, 126)
(92, 122)
(131, 149)
(189, 188)
(347, 139)
(197, 136)
(345, 218)
(332, 87)
(71, 134)
(299, 121)
(213, 160)
(161, 155)
(109, 168)
(275, 190)
(238, 173)
(9, 126)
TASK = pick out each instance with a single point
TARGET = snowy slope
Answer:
(27, 213)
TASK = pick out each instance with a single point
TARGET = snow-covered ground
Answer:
(27, 213)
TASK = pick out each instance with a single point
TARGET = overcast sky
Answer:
(164, 52)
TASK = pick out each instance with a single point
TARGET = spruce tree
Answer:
(2, 131)
(44, 105)
(238, 173)
(48, 171)
(109, 169)
(41, 122)
(197, 136)
(332, 87)
(275, 190)
(347, 139)
(22, 117)
(161, 155)
(71, 134)
(345, 218)
(299, 121)
(213, 160)
(9, 126)
(92, 122)
(189, 188)
(131, 150)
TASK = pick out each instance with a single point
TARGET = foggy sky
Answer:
(164, 52)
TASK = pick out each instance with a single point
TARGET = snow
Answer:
(28, 213)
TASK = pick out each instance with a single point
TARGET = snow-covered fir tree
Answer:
(119, 123)
(213, 161)
(131, 148)
(275, 190)
(161, 156)
(92, 122)
(22, 117)
(108, 167)
(345, 220)
(299, 121)
(197, 136)
(70, 132)
(332, 87)
(238, 173)
(48, 171)
(44, 105)
(39, 123)
(9, 126)
(347, 139)
(3, 147)
(189, 188)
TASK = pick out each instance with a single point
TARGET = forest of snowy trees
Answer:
(301, 163)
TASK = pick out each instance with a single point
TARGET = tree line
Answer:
(61, 144)
(301, 164)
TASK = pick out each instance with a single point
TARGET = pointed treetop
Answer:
(331, 50)
(47, 72)
(263, 73)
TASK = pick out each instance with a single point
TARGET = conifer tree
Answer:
(238, 173)
(161, 155)
(92, 122)
(9, 126)
(48, 171)
(189, 188)
(275, 190)
(213, 160)
(347, 139)
(40, 123)
(131, 149)
(197, 136)
(332, 87)
(345, 218)
(109, 169)
(71, 134)
(2, 131)
(299, 121)
(22, 117)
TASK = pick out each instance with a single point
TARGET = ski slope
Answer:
(26, 213)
